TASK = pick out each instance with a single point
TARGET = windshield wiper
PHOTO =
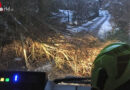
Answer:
(75, 80)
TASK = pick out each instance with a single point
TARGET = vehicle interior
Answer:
(64, 44)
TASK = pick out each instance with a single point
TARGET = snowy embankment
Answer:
(93, 24)
(81, 27)
(101, 23)
(105, 28)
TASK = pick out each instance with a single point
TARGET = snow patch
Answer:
(88, 23)
(67, 15)
(105, 28)
(103, 12)
(81, 27)
(95, 19)
(97, 24)
(93, 24)
(64, 15)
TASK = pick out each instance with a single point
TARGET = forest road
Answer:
(100, 25)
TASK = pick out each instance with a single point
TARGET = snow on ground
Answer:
(105, 28)
(95, 19)
(80, 28)
(64, 15)
(103, 15)
(75, 29)
(90, 25)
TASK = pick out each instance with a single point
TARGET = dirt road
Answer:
(98, 26)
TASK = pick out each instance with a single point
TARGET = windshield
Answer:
(60, 37)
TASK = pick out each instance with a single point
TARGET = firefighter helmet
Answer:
(111, 68)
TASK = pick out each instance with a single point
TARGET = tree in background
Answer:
(120, 10)
(25, 10)
(83, 9)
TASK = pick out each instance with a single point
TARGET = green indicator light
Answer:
(7, 80)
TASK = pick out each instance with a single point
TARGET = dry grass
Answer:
(74, 54)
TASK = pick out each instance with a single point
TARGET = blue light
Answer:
(16, 78)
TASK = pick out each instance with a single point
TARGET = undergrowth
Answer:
(65, 53)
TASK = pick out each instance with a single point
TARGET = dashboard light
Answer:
(16, 78)
(7, 80)
(2, 79)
